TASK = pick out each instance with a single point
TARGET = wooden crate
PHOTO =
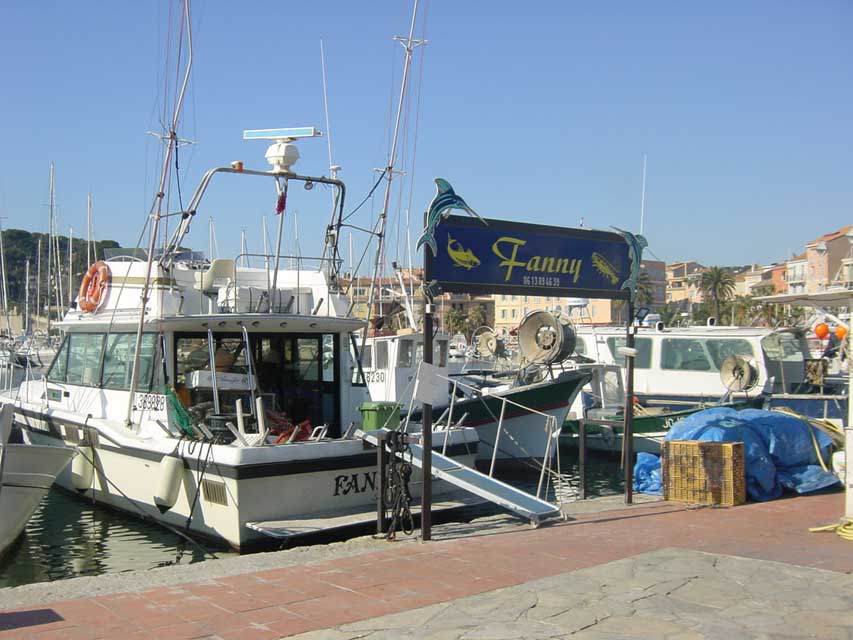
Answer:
(702, 472)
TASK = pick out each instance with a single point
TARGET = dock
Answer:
(653, 569)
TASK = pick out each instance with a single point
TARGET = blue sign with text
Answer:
(496, 256)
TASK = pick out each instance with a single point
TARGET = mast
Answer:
(27, 299)
(38, 287)
(89, 260)
(70, 268)
(409, 44)
(51, 205)
(5, 286)
(155, 213)
(643, 196)
(243, 249)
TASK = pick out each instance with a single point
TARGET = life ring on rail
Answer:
(93, 289)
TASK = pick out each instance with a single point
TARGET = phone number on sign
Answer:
(541, 281)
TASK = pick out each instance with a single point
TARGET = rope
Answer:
(397, 497)
(843, 529)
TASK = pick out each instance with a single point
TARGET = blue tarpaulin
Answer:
(778, 448)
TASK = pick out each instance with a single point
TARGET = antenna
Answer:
(332, 167)
(409, 44)
(643, 196)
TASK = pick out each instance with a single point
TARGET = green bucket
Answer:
(376, 415)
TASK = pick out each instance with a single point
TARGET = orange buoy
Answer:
(840, 332)
(94, 287)
(821, 330)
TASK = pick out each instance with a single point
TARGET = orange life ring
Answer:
(94, 287)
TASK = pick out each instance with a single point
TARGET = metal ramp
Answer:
(472, 481)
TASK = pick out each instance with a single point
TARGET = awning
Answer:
(830, 297)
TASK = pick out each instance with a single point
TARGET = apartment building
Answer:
(825, 257)
(682, 283)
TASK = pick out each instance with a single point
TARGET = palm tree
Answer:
(645, 290)
(718, 284)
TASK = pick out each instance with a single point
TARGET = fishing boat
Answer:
(209, 396)
(678, 368)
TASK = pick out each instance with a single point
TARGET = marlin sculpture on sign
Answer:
(445, 199)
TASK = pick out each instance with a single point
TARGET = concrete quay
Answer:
(651, 570)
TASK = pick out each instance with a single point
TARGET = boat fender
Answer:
(82, 468)
(171, 474)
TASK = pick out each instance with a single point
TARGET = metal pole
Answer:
(282, 190)
(381, 460)
(628, 429)
(426, 429)
(582, 458)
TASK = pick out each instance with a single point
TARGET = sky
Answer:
(540, 112)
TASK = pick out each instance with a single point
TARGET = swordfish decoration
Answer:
(636, 244)
(445, 199)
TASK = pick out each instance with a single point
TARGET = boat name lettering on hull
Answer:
(355, 483)
(374, 376)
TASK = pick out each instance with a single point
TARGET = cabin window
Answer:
(84, 358)
(328, 358)
(720, 349)
(404, 353)
(681, 354)
(381, 354)
(367, 357)
(784, 347)
(118, 361)
(580, 347)
(58, 367)
(643, 347)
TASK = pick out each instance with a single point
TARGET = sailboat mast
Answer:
(70, 261)
(643, 197)
(409, 44)
(51, 204)
(27, 299)
(5, 287)
(38, 286)
(89, 230)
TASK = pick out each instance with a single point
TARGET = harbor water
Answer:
(68, 537)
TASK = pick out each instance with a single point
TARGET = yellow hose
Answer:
(844, 529)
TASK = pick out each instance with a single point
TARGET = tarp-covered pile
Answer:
(780, 450)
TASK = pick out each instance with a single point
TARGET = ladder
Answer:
(471, 480)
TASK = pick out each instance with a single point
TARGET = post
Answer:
(628, 428)
(381, 463)
(426, 429)
(582, 458)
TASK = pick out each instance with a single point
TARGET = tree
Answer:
(718, 284)
(645, 290)
(454, 321)
(476, 318)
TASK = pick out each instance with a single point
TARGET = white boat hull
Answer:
(29, 472)
(239, 485)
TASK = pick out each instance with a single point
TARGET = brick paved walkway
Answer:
(287, 601)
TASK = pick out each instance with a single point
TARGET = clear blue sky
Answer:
(533, 111)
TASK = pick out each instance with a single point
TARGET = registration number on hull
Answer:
(149, 402)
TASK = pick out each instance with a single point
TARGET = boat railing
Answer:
(298, 263)
(551, 428)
